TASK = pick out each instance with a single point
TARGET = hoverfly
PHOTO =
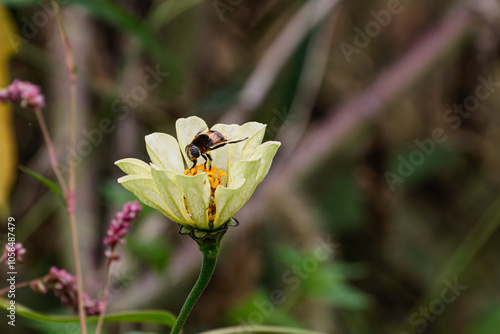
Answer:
(203, 143)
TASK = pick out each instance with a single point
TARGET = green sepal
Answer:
(233, 222)
(208, 240)
(183, 229)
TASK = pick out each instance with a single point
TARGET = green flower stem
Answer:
(207, 269)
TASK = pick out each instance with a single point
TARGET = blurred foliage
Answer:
(7, 138)
(397, 244)
(154, 252)
(49, 184)
(48, 323)
(488, 322)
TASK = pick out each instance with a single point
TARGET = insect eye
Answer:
(189, 152)
(195, 151)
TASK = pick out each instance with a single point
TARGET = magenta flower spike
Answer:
(19, 251)
(120, 225)
(63, 284)
(25, 92)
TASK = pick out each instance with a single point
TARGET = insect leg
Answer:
(210, 162)
(205, 163)
(219, 145)
(208, 159)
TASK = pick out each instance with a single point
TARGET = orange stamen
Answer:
(216, 177)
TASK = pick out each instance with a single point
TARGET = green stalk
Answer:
(207, 269)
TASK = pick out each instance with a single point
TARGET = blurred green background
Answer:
(407, 193)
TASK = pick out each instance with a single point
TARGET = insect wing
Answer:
(216, 138)
(232, 138)
(203, 129)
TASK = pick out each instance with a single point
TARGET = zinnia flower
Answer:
(202, 198)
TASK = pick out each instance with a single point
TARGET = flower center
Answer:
(216, 177)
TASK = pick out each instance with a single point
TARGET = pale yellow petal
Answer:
(133, 166)
(227, 156)
(221, 155)
(231, 199)
(196, 189)
(265, 153)
(171, 193)
(187, 129)
(146, 191)
(164, 151)
(255, 133)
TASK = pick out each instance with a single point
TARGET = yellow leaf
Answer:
(8, 152)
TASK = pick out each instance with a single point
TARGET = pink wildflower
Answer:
(18, 251)
(25, 92)
(63, 284)
(120, 225)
